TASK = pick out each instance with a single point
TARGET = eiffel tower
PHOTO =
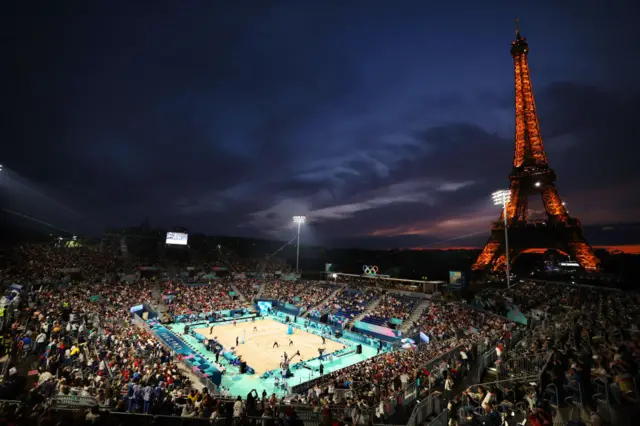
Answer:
(531, 175)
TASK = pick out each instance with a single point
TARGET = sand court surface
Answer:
(258, 351)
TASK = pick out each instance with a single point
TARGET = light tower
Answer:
(298, 220)
(501, 198)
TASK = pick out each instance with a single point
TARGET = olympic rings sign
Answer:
(370, 270)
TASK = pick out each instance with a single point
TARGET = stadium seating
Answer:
(279, 289)
(311, 294)
(82, 342)
(392, 306)
(350, 302)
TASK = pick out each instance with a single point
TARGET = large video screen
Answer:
(455, 277)
(264, 307)
(177, 238)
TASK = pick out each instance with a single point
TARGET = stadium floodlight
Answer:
(298, 220)
(502, 198)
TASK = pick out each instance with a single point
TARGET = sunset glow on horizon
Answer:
(624, 248)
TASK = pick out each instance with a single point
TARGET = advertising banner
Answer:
(515, 315)
(383, 331)
(172, 341)
(290, 306)
(359, 338)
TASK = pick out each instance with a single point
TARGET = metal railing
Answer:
(472, 411)
(441, 419)
(425, 408)
(516, 337)
(526, 365)
(491, 356)
(66, 409)
(484, 362)
(411, 391)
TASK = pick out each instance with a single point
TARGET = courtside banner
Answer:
(171, 340)
(383, 331)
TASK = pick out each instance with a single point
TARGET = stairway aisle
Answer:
(156, 293)
(417, 313)
(123, 247)
(259, 294)
(369, 309)
(157, 303)
(239, 293)
(322, 302)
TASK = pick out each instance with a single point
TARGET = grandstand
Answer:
(163, 335)
(392, 307)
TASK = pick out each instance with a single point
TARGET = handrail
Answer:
(500, 382)
(416, 418)
(556, 393)
(412, 387)
(441, 419)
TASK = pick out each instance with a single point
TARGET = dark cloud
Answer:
(387, 124)
(600, 126)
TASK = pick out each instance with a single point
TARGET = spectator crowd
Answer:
(69, 333)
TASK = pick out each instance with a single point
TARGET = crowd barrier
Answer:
(73, 407)
(76, 414)
(426, 408)
(490, 356)
(412, 391)
(529, 364)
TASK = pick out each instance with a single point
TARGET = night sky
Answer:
(386, 121)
